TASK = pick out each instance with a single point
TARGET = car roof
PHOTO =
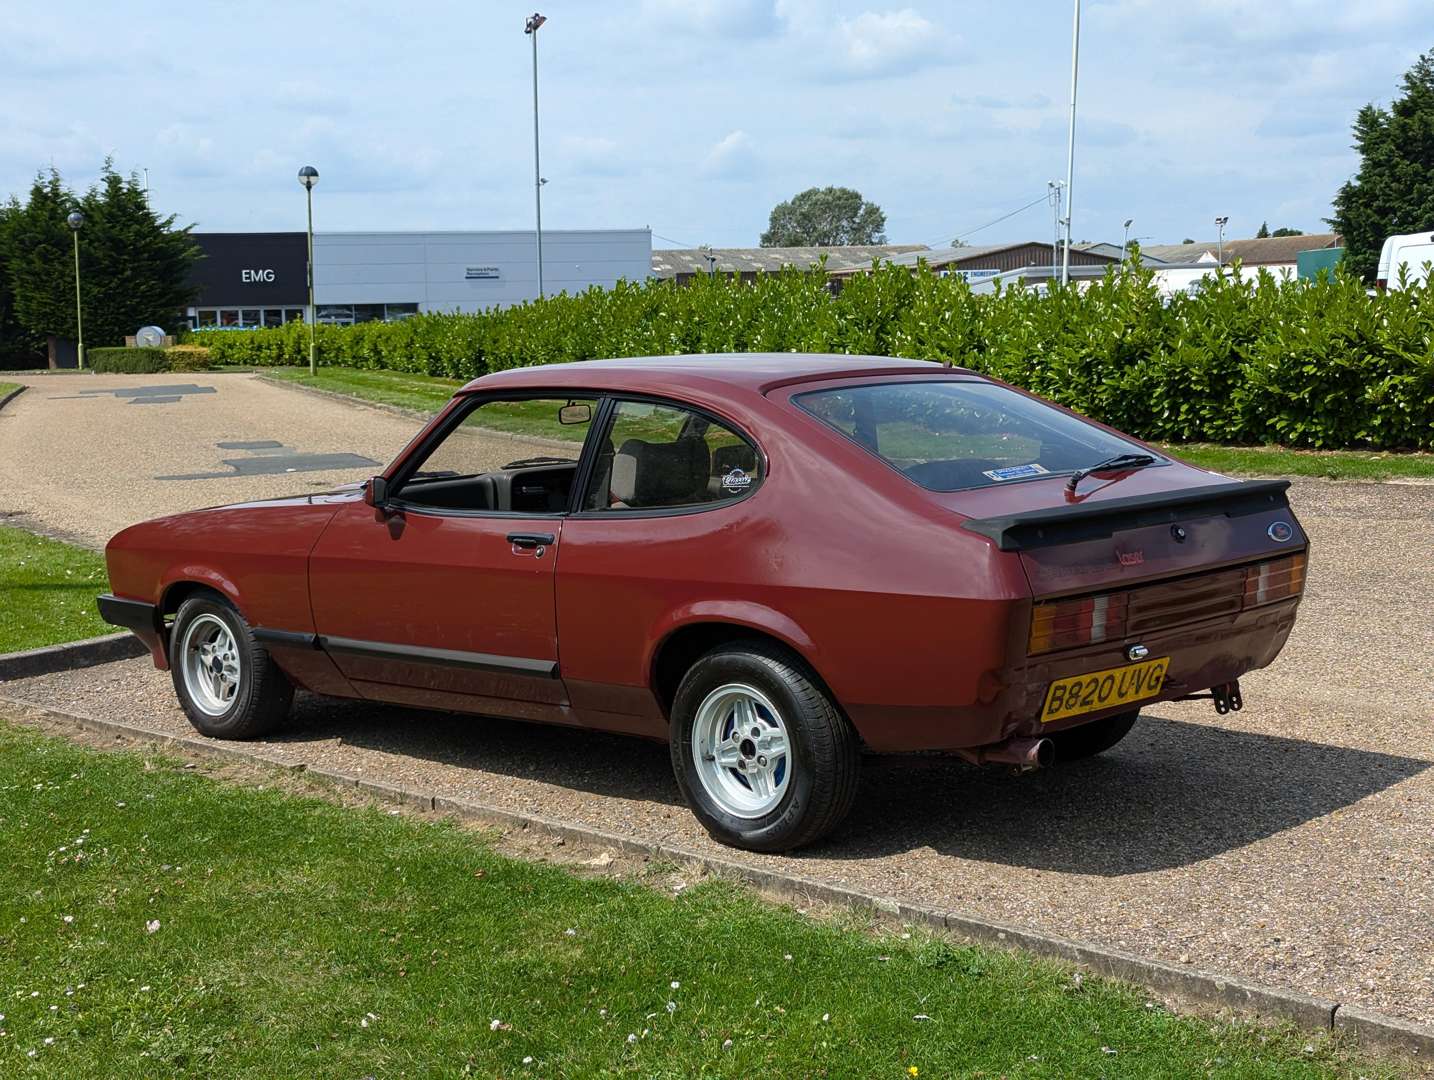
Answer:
(753, 372)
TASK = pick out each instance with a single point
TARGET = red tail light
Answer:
(1085, 620)
(1279, 579)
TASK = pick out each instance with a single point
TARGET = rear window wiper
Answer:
(1119, 461)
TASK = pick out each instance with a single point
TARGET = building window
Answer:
(208, 317)
(335, 314)
(394, 312)
(368, 313)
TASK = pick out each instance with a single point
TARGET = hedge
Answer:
(1249, 359)
(108, 360)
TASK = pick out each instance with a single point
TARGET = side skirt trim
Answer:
(418, 654)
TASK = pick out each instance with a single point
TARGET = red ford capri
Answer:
(772, 562)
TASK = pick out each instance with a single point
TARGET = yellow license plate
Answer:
(1104, 689)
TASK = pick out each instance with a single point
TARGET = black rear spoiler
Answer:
(1092, 521)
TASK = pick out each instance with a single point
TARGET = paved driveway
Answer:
(83, 456)
(1292, 843)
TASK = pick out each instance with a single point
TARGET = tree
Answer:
(1285, 230)
(18, 348)
(1263, 231)
(134, 265)
(1393, 192)
(824, 217)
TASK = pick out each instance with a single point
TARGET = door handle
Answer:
(530, 540)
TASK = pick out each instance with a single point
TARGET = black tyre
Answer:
(226, 682)
(1094, 738)
(762, 754)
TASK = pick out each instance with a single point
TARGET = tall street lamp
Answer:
(1220, 223)
(1070, 145)
(309, 176)
(1125, 240)
(76, 221)
(530, 27)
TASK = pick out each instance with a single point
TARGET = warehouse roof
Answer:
(1263, 251)
(670, 262)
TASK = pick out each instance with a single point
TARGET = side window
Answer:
(510, 456)
(661, 456)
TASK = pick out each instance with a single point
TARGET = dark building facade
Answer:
(250, 279)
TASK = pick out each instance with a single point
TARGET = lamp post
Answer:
(1053, 196)
(1125, 240)
(76, 221)
(309, 176)
(1220, 223)
(1070, 145)
(530, 27)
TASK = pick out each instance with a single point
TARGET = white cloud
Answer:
(732, 156)
(878, 43)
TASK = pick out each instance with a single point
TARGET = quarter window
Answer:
(661, 456)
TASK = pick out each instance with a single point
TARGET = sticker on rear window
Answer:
(1016, 472)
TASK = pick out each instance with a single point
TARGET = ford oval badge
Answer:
(1280, 532)
(1137, 652)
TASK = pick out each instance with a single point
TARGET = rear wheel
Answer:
(1094, 738)
(226, 683)
(763, 755)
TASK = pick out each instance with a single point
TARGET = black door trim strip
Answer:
(419, 654)
(288, 638)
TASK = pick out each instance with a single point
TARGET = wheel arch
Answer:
(701, 629)
(182, 586)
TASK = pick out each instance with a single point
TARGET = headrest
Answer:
(648, 474)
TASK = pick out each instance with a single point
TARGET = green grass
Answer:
(1327, 464)
(424, 393)
(47, 591)
(156, 922)
(6, 387)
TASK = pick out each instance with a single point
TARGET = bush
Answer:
(187, 358)
(123, 361)
(1247, 360)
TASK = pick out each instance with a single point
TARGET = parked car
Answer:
(1405, 261)
(770, 562)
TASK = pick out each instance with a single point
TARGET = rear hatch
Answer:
(1142, 553)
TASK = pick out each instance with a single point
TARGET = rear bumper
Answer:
(141, 619)
(1202, 655)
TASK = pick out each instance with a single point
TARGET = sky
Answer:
(695, 117)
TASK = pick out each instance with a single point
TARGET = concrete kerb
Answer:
(12, 395)
(1371, 1030)
(70, 655)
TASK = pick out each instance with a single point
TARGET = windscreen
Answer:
(947, 436)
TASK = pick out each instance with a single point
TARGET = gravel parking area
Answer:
(83, 456)
(1290, 844)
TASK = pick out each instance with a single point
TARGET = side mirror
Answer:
(575, 413)
(375, 492)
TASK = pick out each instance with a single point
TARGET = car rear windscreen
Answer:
(950, 435)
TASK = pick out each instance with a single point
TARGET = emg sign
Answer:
(256, 277)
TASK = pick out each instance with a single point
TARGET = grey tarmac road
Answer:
(1291, 844)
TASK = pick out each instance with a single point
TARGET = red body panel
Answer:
(438, 582)
(917, 625)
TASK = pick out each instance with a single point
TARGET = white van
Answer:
(1414, 251)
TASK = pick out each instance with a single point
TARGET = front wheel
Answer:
(1093, 738)
(226, 683)
(763, 755)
